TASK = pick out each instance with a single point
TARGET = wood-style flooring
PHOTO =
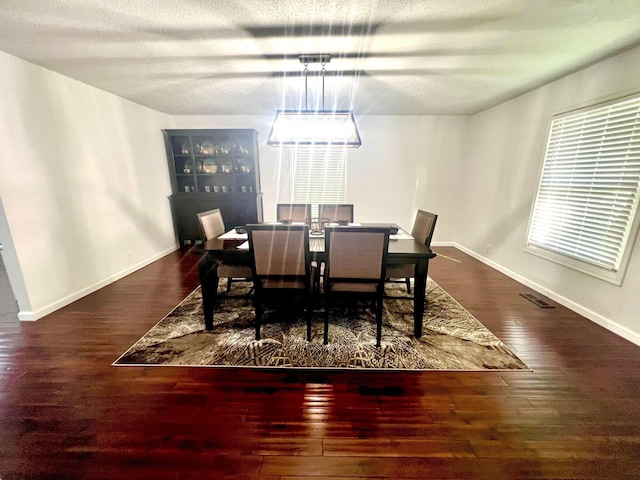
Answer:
(66, 413)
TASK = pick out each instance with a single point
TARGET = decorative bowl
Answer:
(210, 168)
(206, 148)
(245, 169)
(226, 169)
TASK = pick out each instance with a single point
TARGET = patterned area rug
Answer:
(452, 338)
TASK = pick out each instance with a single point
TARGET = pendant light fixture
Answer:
(314, 127)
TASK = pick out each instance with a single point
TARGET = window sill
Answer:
(611, 276)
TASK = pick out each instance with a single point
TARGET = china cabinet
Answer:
(213, 169)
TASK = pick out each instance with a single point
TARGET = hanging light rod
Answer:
(293, 128)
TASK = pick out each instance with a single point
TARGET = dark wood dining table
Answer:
(401, 251)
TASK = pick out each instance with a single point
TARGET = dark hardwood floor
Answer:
(66, 413)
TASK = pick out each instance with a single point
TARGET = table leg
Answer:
(208, 269)
(419, 295)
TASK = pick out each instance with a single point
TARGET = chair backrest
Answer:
(356, 254)
(423, 227)
(211, 223)
(296, 212)
(336, 211)
(279, 251)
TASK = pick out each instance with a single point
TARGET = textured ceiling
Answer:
(403, 57)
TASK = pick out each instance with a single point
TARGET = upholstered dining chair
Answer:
(281, 267)
(336, 212)
(423, 228)
(212, 226)
(296, 212)
(356, 262)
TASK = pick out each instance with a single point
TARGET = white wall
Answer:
(503, 158)
(84, 186)
(404, 163)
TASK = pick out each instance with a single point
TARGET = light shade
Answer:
(314, 127)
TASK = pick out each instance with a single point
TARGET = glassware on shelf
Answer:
(207, 148)
(209, 166)
(187, 168)
(225, 148)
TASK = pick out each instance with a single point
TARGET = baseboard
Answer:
(610, 325)
(27, 316)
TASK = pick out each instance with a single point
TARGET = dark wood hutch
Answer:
(213, 169)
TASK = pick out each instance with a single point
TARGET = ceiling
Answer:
(403, 57)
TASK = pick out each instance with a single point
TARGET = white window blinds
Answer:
(588, 193)
(319, 175)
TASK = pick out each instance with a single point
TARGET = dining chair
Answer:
(211, 226)
(355, 268)
(336, 212)
(423, 228)
(281, 267)
(295, 212)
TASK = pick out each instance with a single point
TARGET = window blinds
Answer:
(588, 193)
(319, 175)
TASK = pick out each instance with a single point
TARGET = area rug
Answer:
(452, 338)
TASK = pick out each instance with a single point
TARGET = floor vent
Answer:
(537, 300)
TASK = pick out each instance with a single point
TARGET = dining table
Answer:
(232, 248)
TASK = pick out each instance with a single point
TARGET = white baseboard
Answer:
(446, 244)
(27, 316)
(610, 325)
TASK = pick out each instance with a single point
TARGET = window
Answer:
(318, 175)
(585, 213)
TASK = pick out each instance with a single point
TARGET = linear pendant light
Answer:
(314, 127)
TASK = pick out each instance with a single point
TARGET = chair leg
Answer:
(228, 284)
(408, 282)
(378, 322)
(326, 321)
(257, 302)
(308, 315)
